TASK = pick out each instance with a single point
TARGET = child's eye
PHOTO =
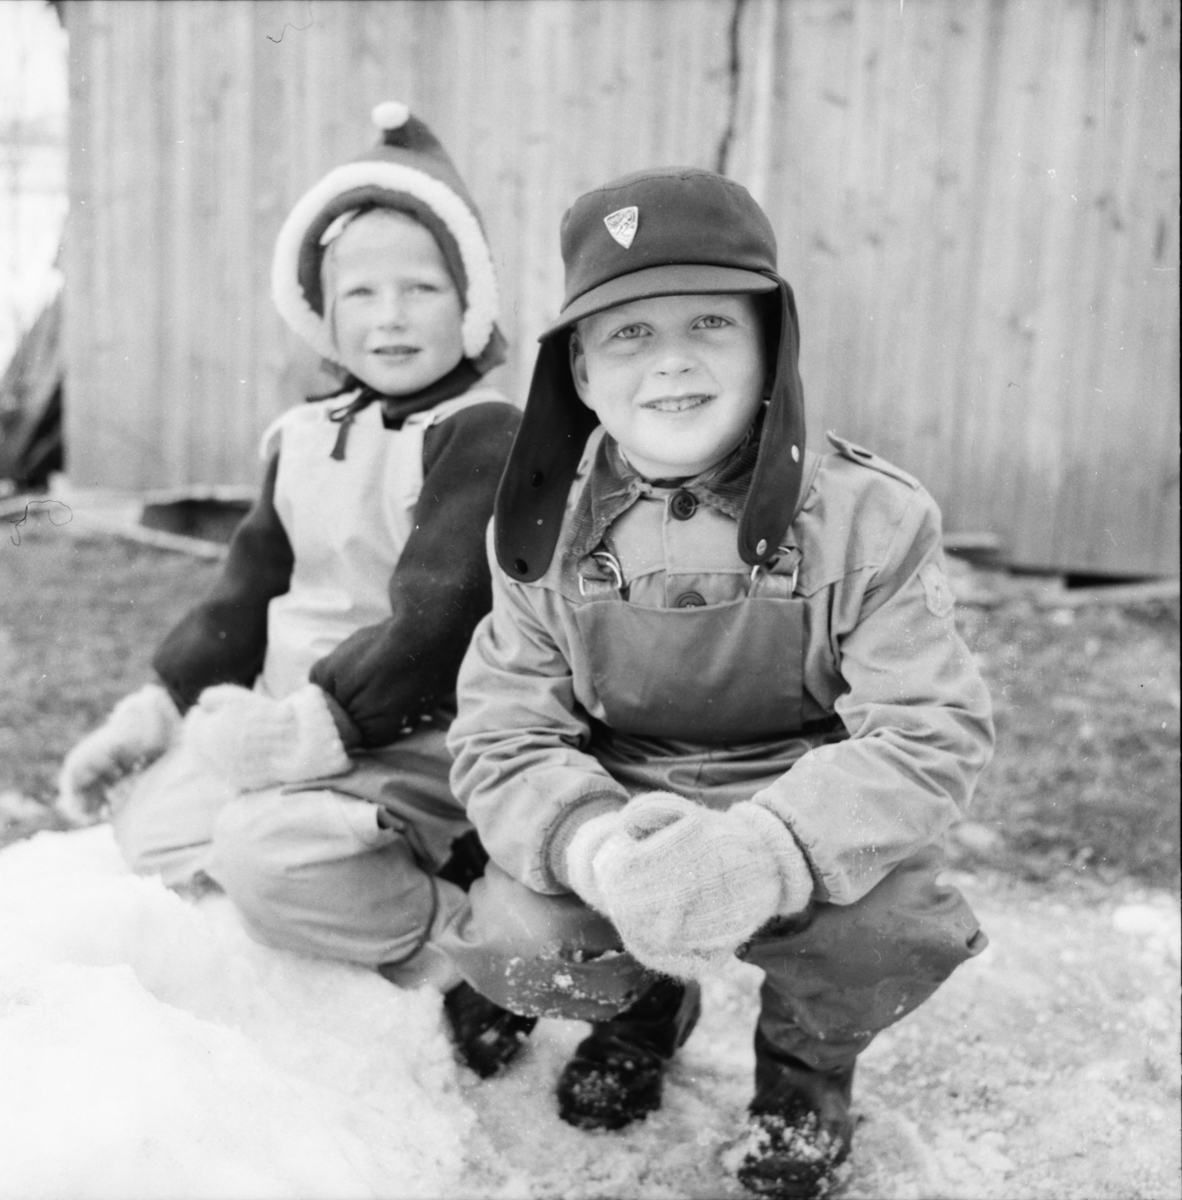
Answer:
(713, 321)
(359, 292)
(629, 332)
(424, 288)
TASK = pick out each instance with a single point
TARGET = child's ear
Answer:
(578, 366)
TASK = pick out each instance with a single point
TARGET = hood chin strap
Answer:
(395, 409)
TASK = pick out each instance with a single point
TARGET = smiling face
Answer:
(395, 313)
(676, 380)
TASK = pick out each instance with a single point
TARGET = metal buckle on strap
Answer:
(761, 569)
(607, 561)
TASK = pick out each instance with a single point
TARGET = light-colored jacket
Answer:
(834, 688)
(347, 526)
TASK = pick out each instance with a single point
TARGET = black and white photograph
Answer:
(589, 600)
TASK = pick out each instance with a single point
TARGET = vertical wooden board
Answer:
(275, 390)
(80, 309)
(1047, 388)
(1156, 329)
(957, 97)
(1011, 151)
(690, 62)
(1072, 330)
(123, 421)
(544, 176)
(805, 202)
(214, 185)
(1149, 323)
(946, 85)
(177, 302)
(1082, 527)
(281, 35)
(233, 326)
(902, 413)
(974, 489)
(1120, 496)
(490, 113)
(1023, 450)
(90, 397)
(749, 151)
(483, 151)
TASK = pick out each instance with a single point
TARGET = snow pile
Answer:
(150, 1049)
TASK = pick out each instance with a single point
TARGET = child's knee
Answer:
(543, 955)
(163, 818)
(909, 932)
(313, 872)
(250, 860)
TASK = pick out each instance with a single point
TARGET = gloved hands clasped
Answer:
(254, 742)
(685, 885)
(141, 727)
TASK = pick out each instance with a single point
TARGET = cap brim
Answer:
(677, 279)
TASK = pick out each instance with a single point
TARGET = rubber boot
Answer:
(487, 1037)
(615, 1075)
(799, 1127)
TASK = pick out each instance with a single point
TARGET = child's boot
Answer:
(799, 1127)
(487, 1036)
(615, 1075)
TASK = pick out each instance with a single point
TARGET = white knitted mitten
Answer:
(589, 839)
(138, 731)
(690, 885)
(255, 742)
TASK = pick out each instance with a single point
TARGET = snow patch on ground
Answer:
(151, 1049)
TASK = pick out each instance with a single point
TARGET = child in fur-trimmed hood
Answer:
(293, 750)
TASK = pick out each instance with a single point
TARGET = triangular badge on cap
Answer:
(622, 224)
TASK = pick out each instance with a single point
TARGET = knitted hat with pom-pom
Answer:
(408, 171)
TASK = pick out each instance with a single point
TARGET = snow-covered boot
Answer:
(615, 1074)
(798, 1127)
(487, 1036)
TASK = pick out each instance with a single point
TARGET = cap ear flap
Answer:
(531, 499)
(779, 466)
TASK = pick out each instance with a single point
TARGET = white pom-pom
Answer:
(390, 114)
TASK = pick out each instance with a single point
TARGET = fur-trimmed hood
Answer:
(408, 170)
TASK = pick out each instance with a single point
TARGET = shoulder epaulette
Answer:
(867, 458)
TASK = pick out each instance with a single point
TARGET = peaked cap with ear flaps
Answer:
(666, 232)
(410, 172)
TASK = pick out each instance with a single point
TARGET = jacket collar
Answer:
(613, 486)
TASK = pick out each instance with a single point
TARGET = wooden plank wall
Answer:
(977, 204)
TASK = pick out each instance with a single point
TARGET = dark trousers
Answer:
(834, 976)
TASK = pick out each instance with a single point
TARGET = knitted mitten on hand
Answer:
(138, 731)
(255, 742)
(582, 851)
(689, 885)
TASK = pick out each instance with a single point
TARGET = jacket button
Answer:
(689, 600)
(683, 505)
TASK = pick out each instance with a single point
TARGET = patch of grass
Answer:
(1086, 774)
(1085, 779)
(80, 618)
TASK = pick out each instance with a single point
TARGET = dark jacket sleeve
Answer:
(385, 677)
(224, 638)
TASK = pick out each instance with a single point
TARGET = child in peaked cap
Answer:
(309, 777)
(720, 706)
